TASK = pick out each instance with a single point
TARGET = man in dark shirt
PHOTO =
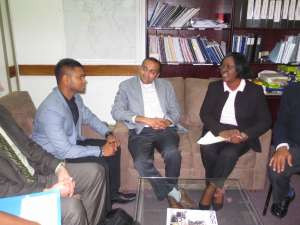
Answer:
(286, 159)
(58, 123)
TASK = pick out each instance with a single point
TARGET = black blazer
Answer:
(251, 111)
(287, 126)
(11, 180)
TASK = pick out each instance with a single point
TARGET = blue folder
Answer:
(12, 205)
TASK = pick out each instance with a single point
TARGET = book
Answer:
(190, 216)
(277, 11)
(41, 207)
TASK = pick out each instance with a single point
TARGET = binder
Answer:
(292, 10)
(256, 14)
(271, 9)
(277, 11)
(257, 48)
(250, 9)
(42, 207)
(264, 9)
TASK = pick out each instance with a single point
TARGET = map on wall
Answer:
(101, 31)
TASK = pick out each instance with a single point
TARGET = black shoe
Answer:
(118, 198)
(131, 196)
(280, 209)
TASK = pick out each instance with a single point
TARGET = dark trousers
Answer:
(219, 160)
(141, 147)
(281, 181)
(110, 163)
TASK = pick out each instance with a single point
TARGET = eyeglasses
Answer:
(226, 67)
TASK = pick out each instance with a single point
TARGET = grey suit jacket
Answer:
(129, 102)
(44, 164)
(54, 128)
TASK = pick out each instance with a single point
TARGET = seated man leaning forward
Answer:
(25, 168)
(286, 159)
(149, 108)
(58, 122)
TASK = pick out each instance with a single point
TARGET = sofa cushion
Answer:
(22, 109)
(195, 90)
(178, 84)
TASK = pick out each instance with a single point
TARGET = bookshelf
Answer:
(234, 15)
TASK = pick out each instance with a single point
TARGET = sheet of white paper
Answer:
(42, 209)
(209, 138)
(190, 216)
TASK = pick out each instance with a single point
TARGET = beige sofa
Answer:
(250, 169)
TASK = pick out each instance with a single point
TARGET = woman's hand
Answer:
(227, 134)
(234, 136)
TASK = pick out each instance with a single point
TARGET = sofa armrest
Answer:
(261, 161)
(121, 132)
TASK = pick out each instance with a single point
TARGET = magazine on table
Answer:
(191, 217)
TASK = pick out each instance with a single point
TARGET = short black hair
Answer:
(153, 60)
(63, 65)
(241, 65)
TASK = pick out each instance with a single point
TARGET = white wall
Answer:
(99, 95)
(39, 31)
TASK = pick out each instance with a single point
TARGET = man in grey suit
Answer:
(149, 108)
(58, 123)
(25, 168)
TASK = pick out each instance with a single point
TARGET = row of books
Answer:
(275, 10)
(195, 50)
(166, 15)
(249, 45)
(286, 51)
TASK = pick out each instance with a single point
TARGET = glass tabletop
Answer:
(237, 210)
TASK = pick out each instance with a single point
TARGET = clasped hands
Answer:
(155, 123)
(65, 183)
(234, 136)
(111, 145)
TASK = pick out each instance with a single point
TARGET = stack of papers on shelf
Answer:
(191, 216)
(205, 23)
(272, 77)
(209, 138)
(273, 82)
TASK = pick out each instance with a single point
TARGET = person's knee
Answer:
(230, 155)
(142, 165)
(73, 212)
(95, 173)
(274, 176)
(172, 156)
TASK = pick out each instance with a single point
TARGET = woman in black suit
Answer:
(236, 110)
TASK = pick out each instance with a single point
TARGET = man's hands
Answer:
(280, 158)
(155, 123)
(111, 145)
(65, 183)
(234, 136)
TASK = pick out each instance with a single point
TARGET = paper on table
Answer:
(209, 138)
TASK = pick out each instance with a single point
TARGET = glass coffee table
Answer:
(237, 210)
